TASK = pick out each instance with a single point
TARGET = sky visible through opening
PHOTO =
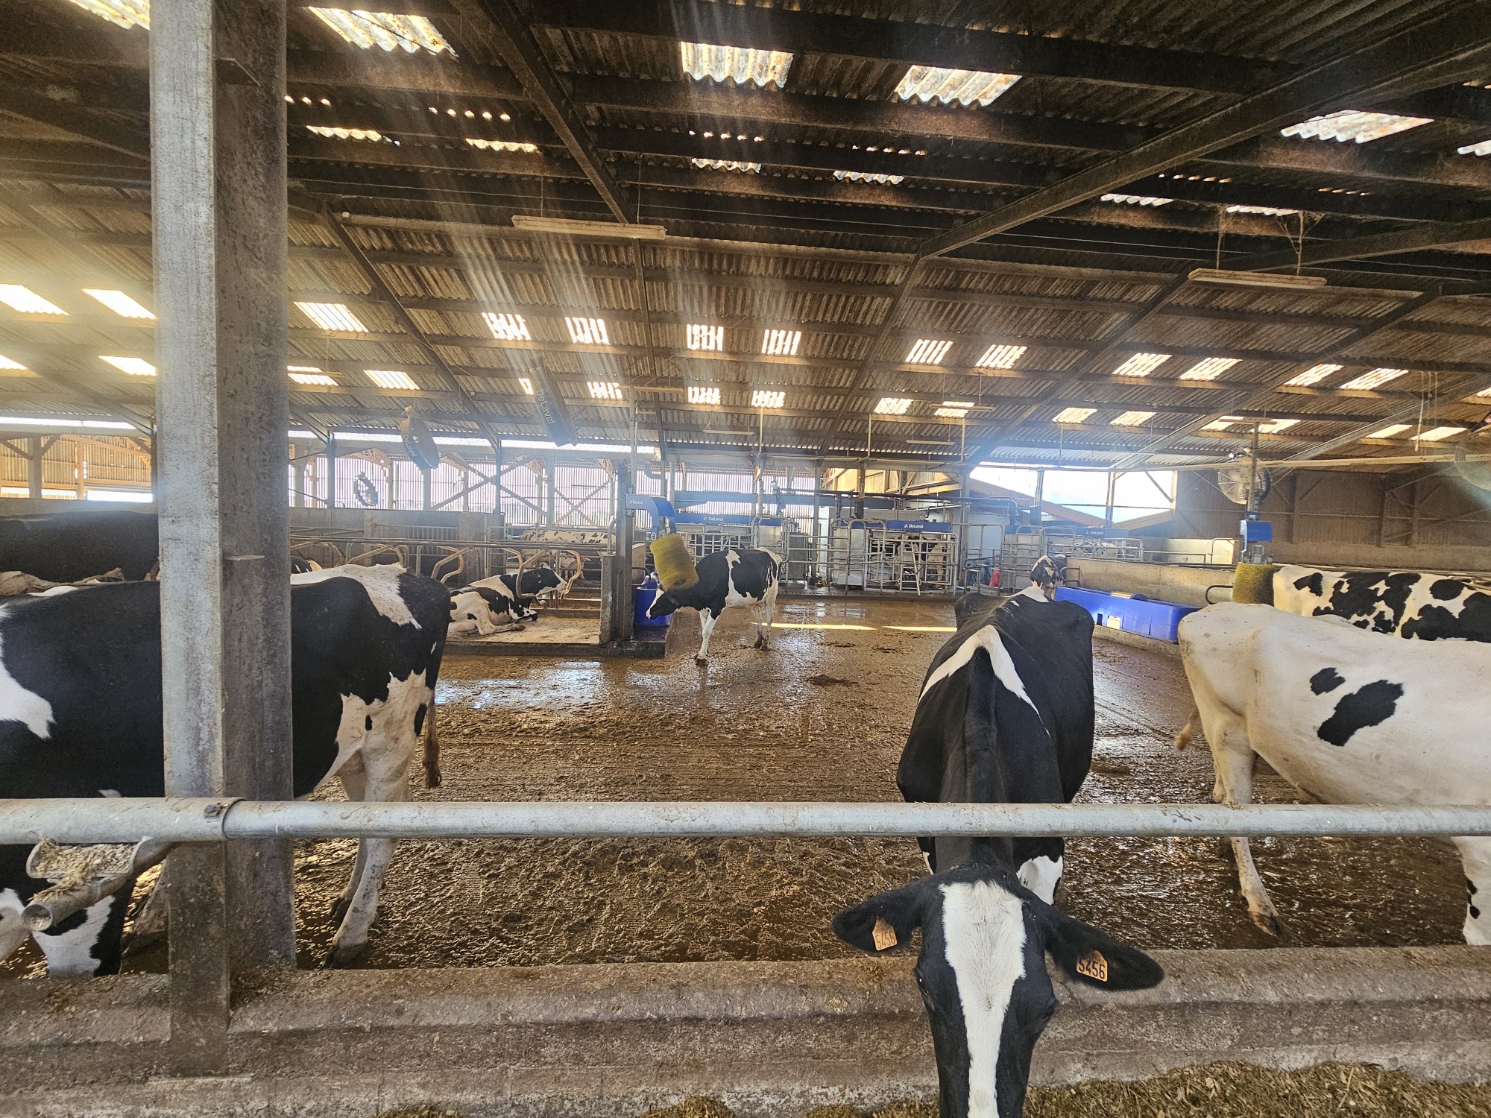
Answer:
(1136, 495)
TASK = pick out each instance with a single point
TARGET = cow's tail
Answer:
(433, 775)
(1188, 731)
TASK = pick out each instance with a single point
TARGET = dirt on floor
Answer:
(1218, 1091)
(821, 716)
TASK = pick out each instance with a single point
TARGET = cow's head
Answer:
(479, 604)
(1047, 573)
(544, 578)
(982, 973)
(663, 605)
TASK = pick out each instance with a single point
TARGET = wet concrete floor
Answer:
(822, 716)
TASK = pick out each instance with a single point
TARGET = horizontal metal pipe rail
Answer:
(205, 820)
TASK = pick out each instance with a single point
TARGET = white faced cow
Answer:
(1412, 604)
(1345, 716)
(1005, 716)
(80, 715)
(727, 578)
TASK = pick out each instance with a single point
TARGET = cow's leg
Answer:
(1475, 857)
(387, 780)
(763, 627)
(87, 942)
(354, 780)
(1232, 757)
(706, 627)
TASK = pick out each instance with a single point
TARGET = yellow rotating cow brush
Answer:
(675, 566)
(1254, 582)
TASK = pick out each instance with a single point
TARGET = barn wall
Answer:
(1412, 520)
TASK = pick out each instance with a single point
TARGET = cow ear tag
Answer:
(1094, 966)
(885, 936)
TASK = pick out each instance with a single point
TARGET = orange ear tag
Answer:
(1093, 965)
(885, 936)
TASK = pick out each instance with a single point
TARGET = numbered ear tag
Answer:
(885, 936)
(1094, 966)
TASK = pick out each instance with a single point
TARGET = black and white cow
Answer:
(503, 585)
(1413, 604)
(535, 582)
(1006, 715)
(70, 546)
(1345, 716)
(80, 715)
(484, 611)
(727, 578)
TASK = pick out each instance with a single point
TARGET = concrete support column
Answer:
(217, 111)
(33, 467)
(331, 469)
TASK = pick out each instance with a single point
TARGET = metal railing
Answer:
(116, 820)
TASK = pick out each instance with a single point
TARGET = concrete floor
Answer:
(822, 716)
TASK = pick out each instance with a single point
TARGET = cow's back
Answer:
(91, 659)
(65, 547)
(1415, 605)
(1051, 644)
(93, 656)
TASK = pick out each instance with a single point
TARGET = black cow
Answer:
(80, 715)
(1005, 716)
(727, 578)
(69, 546)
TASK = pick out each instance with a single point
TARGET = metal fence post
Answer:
(218, 169)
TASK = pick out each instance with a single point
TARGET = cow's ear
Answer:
(1092, 956)
(884, 921)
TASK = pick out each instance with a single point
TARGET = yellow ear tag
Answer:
(885, 935)
(1093, 965)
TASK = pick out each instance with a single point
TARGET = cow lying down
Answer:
(80, 715)
(1346, 717)
(482, 611)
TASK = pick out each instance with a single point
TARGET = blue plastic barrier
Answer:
(1145, 616)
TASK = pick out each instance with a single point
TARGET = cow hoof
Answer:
(701, 661)
(345, 956)
(761, 644)
(1268, 923)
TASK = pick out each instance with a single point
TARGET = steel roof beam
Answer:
(1381, 244)
(523, 56)
(880, 118)
(1421, 56)
(1263, 391)
(416, 335)
(1358, 433)
(913, 43)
